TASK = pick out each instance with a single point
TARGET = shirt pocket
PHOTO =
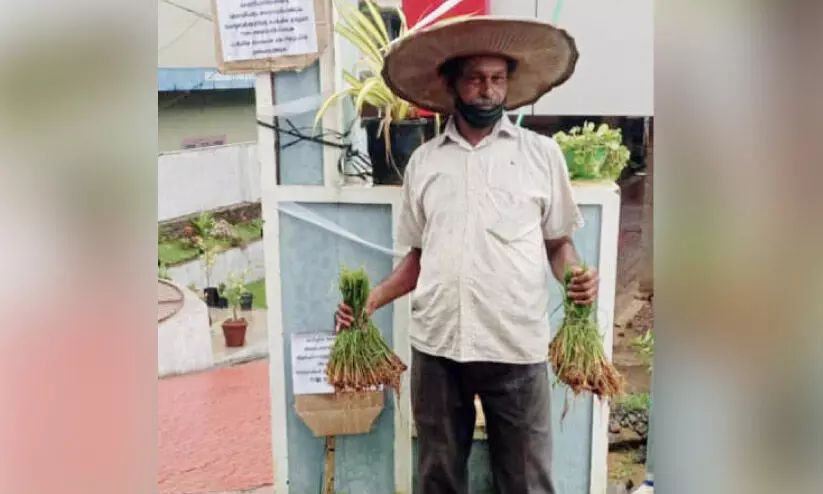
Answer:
(511, 215)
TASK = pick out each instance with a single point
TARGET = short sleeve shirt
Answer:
(481, 215)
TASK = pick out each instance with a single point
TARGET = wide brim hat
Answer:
(546, 57)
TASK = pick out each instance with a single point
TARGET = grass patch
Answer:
(258, 290)
(248, 230)
(175, 251)
(626, 465)
(636, 402)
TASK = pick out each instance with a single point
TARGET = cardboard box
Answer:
(340, 414)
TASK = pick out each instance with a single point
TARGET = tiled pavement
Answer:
(214, 431)
(260, 490)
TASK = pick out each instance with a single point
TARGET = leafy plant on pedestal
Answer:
(593, 154)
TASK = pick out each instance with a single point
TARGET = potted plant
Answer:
(397, 130)
(201, 235)
(208, 251)
(222, 301)
(234, 328)
(593, 154)
(246, 301)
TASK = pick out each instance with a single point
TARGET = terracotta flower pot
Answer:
(234, 331)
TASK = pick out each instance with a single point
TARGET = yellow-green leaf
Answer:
(360, 24)
(360, 42)
(364, 92)
(404, 26)
(325, 107)
(351, 79)
(378, 21)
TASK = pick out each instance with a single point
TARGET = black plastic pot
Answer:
(390, 18)
(212, 296)
(404, 136)
(246, 301)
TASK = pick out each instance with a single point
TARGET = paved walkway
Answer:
(215, 431)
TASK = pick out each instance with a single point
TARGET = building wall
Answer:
(185, 39)
(206, 179)
(228, 112)
(238, 260)
(615, 41)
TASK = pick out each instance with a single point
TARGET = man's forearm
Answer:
(400, 282)
(562, 254)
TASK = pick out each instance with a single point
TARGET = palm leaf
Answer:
(326, 105)
(360, 41)
(376, 93)
(404, 25)
(351, 79)
(364, 93)
(366, 32)
(378, 21)
(356, 19)
(402, 109)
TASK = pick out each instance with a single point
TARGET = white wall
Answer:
(185, 39)
(205, 179)
(615, 38)
(235, 260)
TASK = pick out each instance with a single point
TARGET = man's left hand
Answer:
(583, 287)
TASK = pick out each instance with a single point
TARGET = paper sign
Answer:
(265, 29)
(309, 356)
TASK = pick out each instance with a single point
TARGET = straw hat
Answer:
(546, 57)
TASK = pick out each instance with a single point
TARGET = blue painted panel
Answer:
(300, 163)
(310, 262)
(572, 440)
(200, 79)
(480, 478)
(310, 259)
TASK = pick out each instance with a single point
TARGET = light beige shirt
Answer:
(480, 216)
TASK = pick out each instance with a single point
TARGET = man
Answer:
(488, 213)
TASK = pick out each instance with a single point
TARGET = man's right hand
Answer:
(402, 281)
(344, 317)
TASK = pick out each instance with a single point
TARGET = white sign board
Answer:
(264, 29)
(309, 356)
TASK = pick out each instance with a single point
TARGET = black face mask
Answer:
(477, 117)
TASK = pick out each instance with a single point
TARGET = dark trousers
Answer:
(516, 404)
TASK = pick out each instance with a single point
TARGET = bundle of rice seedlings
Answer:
(360, 359)
(576, 352)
